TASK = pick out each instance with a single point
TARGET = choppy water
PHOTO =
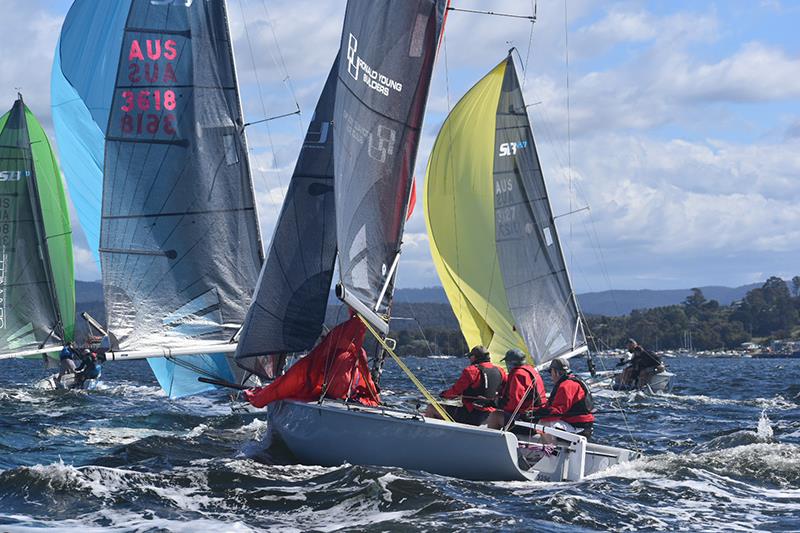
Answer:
(721, 453)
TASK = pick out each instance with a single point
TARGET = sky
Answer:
(677, 124)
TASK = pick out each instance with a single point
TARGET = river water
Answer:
(721, 453)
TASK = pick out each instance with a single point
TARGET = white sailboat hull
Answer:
(333, 433)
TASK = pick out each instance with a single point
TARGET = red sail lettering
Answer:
(136, 51)
(154, 54)
(133, 73)
(169, 124)
(152, 78)
(170, 50)
(152, 123)
(169, 74)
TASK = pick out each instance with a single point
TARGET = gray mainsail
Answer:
(291, 297)
(179, 246)
(29, 314)
(531, 261)
(387, 55)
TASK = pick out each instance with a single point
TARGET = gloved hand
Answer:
(249, 395)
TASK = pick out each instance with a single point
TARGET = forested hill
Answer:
(715, 317)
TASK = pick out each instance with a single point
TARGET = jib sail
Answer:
(291, 297)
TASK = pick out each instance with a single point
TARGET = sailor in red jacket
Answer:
(479, 386)
(570, 404)
(523, 386)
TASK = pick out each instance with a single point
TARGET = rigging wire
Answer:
(530, 45)
(287, 80)
(264, 110)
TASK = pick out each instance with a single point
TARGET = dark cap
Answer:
(514, 356)
(560, 364)
(86, 351)
(631, 341)
(479, 352)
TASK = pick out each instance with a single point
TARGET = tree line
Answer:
(769, 312)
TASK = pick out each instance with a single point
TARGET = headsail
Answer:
(386, 59)
(291, 297)
(492, 233)
(37, 289)
(179, 243)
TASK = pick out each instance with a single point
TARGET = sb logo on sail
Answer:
(14, 175)
(507, 149)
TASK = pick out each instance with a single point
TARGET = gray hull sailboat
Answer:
(376, 129)
(147, 110)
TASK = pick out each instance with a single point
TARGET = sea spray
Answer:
(764, 430)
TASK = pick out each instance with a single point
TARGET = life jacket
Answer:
(534, 393)
(583, 407)
(488, 386)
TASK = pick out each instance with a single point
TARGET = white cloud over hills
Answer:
(684, 121)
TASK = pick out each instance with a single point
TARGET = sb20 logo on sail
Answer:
(14, 175)
(507, 149)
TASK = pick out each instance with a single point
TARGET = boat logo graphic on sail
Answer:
(507, 149)
(14, 175)
(374, 79)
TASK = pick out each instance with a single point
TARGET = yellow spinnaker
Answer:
(459, 214)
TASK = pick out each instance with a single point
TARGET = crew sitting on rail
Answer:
(523, 391)
(570, 404)
(478, 386)
(641, 367)
(67, 361)
(88, 369)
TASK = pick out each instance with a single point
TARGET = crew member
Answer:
(523, 391)
(641, 366)
(570, 404)
(478, 386)
(88, 369)
(67, 361)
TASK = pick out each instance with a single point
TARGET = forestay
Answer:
(291, 297)
(179, 244)
(387, 54)
(492, 233)
(37, 292)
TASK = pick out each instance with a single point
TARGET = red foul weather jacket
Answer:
(469, 384)
(567, 402)
(517, 384)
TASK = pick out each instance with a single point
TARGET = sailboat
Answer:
(149, 123)
(488, 120)
(37, 286)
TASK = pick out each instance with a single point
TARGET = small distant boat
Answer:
(37, 285)
(660, 382)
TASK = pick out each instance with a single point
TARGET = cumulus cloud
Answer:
(660, 104)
